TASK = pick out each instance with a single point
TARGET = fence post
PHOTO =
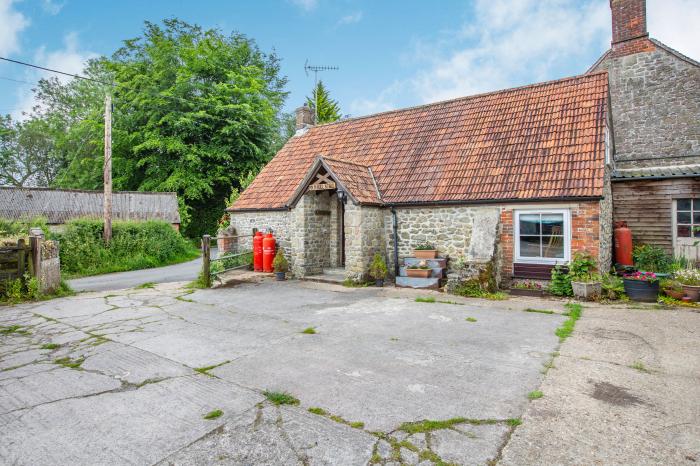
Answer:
(21, 254)
(206, 260)
(36, 236)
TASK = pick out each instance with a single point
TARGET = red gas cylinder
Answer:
(258, 251)
(623, 244)
(268, 244)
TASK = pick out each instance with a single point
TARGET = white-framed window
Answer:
(607, 145)
(542, 236)
(687, 218)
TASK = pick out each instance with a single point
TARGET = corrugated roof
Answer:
(60, 205)
(541, 141)
(669, 171)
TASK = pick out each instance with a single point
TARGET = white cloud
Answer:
(52, 7)
(70, 59)
(675, 23)
(505, 43)
(355, 17)
(12, 23)
(306, 5)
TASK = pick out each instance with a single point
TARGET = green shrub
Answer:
(134, 245)
(279, 263)
(561, 282)
(377, 269)
(651, 259)
(612, 287)
(582, 267)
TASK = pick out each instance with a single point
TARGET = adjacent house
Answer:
(61, 205)
(655, 101)
(515, 178)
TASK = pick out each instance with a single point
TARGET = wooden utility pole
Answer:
(108, 170)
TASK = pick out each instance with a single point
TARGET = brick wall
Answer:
(586, 228)
(629, 19)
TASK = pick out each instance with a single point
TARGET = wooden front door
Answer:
(686, 228)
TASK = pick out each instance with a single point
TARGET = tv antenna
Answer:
(315, 70)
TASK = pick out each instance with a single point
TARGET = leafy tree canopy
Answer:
(194, 111)
(328, 109)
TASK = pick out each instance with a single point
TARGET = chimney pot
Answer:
(305, 117)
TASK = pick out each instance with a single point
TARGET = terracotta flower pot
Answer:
(675, 294)
(693, 292)
(419, 273)
(425, 253)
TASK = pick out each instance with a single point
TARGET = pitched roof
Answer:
(60, 205)
(658, 43)
(541, 141)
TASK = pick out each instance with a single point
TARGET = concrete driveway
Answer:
(128, 377)
(186, 271)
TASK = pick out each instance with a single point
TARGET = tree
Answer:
(328, 109)
(194, 111)
(27, 156)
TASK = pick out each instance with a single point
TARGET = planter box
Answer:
(526, 292)
(693, 292)
(419, 273)
(425, 253)
(641, 290)
(586, 290)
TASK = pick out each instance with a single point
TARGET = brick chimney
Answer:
(629, 27)
(305, 117)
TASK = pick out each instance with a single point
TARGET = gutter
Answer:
(264, 209)
(494, 201)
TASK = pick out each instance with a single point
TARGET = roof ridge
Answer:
(456, 99)
(87, 191)
(343, 161)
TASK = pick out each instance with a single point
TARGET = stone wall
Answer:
(467, 232)
(275, 220)
(655, 98)
(310, 226)
(364, 236)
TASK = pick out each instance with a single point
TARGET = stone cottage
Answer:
(655, 101)
(515, 178)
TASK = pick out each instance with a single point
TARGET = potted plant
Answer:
(377, 270)
(585, 283)
(280, 265)
(425, 251)
(641, 286)
(690, 281)
(672, 288)
(420, 270)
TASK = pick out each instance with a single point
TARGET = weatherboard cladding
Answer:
(60, 205)
(542, 141)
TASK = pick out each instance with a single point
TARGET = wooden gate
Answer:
(15, 261)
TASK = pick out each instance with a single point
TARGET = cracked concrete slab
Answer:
(278, 435)
(599, 407)
(378, 358)
(134, 427)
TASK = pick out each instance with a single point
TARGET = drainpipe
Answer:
(395, 225)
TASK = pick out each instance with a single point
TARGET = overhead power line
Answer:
(54, 71)
(16, 80)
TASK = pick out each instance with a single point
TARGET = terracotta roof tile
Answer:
(540, 141)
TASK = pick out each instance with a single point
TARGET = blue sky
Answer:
(391, 53)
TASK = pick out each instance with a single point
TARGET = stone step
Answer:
(437, 272)
(440, 262)
(423, 283)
